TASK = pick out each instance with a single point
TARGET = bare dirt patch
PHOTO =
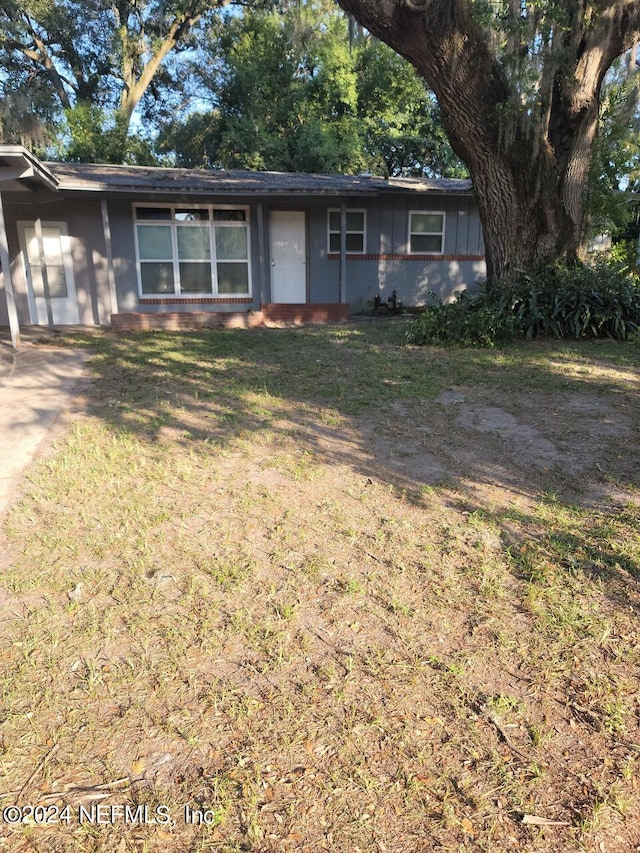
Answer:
(578, 444)
(329, 593)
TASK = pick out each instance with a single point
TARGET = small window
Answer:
(426, 233)
(191, 215)
(230, 215)
(153, 213)
(355, 231)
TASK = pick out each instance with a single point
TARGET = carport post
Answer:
(7, 285)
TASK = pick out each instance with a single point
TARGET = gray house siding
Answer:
(17, 211)
(17, 272)
(124, 254)
(388, 265)
(417, 280)
(324, 269)
(79, 195)
(88, 253)
(84, 225)
(324, 280)
(417, 283)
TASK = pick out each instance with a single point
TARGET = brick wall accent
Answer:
(272, 314)
(350, 257)
(299, 314)
(200, 300)
(188, 320)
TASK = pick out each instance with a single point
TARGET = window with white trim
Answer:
(426, 232)
(355, 231)
(191, 251)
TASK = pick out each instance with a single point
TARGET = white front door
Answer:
(288, 256)
(57, 258)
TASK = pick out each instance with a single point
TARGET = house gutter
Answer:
(217, 192)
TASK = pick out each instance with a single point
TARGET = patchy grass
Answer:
(329, 593)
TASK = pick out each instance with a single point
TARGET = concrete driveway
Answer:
(38, 385)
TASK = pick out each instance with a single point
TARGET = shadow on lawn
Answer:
(488, 427)
(216, 386)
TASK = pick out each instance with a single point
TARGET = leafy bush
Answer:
(600, 299)
(469, 321)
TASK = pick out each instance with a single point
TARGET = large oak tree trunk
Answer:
(529, 166)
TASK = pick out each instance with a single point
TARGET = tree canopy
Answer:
(94, 59)
(519, 85)
(297, 90)
(615, 163)
(281, 85)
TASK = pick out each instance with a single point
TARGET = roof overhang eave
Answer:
(95, 187)
(19, 164)
(110, 189)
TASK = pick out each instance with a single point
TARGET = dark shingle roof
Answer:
(93, 177)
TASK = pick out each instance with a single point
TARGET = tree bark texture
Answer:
(529, 167)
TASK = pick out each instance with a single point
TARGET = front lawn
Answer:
(328, 592)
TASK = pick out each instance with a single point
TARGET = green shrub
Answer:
(469, 321)
(599, 299)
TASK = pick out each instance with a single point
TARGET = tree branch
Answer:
(135, 88)
(41, 56)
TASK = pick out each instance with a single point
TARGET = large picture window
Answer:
(355, 231)
(192, 251)
(426, 232)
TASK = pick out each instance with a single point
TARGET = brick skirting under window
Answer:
(272, 314)
(200, 300)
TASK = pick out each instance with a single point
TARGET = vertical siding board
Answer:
(108, 247)
(457, 224)
(450, 234)
(90, 262)
(400, 225)
(453, 215)
(124, 253)
(324, 275)
(263, 260)
(475, 232)
(465, 211)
